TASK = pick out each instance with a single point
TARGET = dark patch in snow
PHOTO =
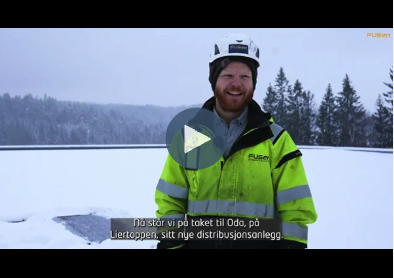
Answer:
(92, 228)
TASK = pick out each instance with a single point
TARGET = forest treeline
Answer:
(339, 120)
(31, 120)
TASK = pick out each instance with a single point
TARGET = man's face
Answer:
(235, 78)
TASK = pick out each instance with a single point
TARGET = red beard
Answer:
(231, 103)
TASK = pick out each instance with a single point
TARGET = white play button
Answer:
(193, 139)
(196, 138)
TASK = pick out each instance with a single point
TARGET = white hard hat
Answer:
(235, 45)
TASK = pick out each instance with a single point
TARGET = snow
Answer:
(353, 193)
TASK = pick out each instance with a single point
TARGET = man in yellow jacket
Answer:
(261, 174)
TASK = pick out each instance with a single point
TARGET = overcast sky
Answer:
(170, 66)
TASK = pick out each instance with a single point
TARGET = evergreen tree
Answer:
(370, 131)
(294, 103)
(270, 102)
(389, 100)
(381, 121)
(351, 116)
(281, 88)
(308, 118)
(326, 121)
(389, 95)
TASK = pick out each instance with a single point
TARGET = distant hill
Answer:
(31, 120)
(150, 114)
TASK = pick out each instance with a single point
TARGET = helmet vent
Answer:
(217, 49)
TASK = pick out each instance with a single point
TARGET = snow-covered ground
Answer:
(353, 193)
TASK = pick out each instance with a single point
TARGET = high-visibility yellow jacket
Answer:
(263, 177)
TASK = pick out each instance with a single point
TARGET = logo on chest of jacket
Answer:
(258, 157)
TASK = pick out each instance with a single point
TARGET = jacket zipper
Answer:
(230, 154)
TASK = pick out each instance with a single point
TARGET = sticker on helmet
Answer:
(238, 48)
